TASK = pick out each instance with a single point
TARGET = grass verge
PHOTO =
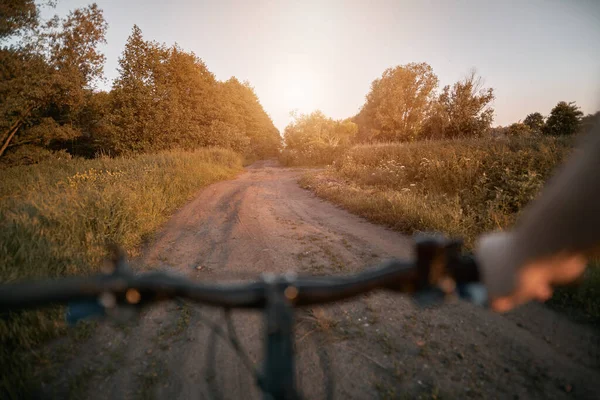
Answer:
(57, 217)
(461, 188)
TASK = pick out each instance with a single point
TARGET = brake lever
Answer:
(107, 304)
(82, 310)
(443, 271)
(94, 309)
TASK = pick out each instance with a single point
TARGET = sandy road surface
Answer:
(380, 346)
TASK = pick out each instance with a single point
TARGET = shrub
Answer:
(316, 154)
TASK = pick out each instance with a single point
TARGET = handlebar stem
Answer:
(278, 378)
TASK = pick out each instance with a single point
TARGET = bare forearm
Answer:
(564, 218)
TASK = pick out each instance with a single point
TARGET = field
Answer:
(57, 217)
(461, 188)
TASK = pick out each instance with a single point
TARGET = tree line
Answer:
(163, 97)
(405, 104)
(565, 119)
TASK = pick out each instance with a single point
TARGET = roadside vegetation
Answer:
(417, 158)
(163, 97)
(58, 217)
(461, 188)
(81, 167)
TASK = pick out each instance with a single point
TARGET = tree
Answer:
(47, 75)
(565, 119)
(535, 122)
(497, 132)
(24, 84)
(137, 110)
(241, 107)
(72, 50)
(16, 16)
(590, 121)
(185, 93)
(398, 103)
(165, 97)
(463, 110)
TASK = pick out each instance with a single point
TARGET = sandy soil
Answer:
(380, 346)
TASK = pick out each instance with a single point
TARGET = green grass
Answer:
(57, 217)
(461, 188)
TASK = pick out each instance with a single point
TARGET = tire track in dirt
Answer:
(377, 346)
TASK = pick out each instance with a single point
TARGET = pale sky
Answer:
(309, 55)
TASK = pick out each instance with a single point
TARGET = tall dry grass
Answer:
(57, 217)
(461, 188)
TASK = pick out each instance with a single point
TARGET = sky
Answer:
(308, 55)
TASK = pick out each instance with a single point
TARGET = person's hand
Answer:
(535, 280)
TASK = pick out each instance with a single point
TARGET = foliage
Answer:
(564, 119)
(225, 135)
(47, 74)
(518, 129)
(462, 110)
(31, 154)
(397, 104)
(590, 121)
(240, 108)
(57, 217)
(160, 100)
(164, 97)
(71, 48)
(459, 187)
(16, 16)
(403, 106)
(535, 122)
(315, 139)
(167, 98)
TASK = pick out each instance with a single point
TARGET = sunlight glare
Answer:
(297, 81)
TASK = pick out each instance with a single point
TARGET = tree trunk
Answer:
(13, 130)
(10, 136)
(13, 126)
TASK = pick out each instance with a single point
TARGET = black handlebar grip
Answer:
(465, 269)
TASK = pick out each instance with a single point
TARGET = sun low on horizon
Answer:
(299, 84)
(304, 56)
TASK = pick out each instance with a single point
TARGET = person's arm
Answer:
(558, 228)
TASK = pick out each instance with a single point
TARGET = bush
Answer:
(314, 139)
(29, 154)
(519, 129)
(317, 154)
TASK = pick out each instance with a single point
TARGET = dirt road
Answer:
(380, 346)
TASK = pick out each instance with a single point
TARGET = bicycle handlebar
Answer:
(439, 269)
(399, 276)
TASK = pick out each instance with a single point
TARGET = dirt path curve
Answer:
(380, 346)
